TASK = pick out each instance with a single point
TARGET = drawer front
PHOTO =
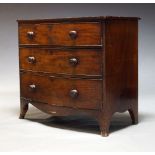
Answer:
(64, 34)
(75, 93)
(82, 62)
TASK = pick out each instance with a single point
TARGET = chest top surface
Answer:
(74, 19)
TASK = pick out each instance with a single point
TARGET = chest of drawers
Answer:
(76, 66)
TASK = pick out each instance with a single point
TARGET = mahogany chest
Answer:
(76, 66)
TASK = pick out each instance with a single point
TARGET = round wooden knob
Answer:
(32, 87)
(73, 34)
(31, 59)
(30, 34)
(74, 93)
(73, 61)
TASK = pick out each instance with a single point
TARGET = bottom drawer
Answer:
(75, 93)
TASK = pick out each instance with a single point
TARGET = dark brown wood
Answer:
(74, 66)
(59, 34)
(133, 111)
(57, 91)
(63, 75)
(77, 19)
(58, 61)
(61, 46)
(23, 108)
(61, 111)
(121, 68)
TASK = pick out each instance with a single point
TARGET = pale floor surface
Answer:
(40, 132)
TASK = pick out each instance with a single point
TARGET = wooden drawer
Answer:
(62, 34)
(82, 62)
(75, 93)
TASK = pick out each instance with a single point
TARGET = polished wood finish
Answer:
(75, 66)
(60, 61)
(77, 19)
(68, 34)
(57, 91)
(23, 108)
(121, 70)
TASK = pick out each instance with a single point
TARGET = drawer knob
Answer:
(73, 34)
(73, 61)
(31, 59)
(32, 87)
(30, 34)
(74, 93)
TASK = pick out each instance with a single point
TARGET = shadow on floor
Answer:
(85, 124)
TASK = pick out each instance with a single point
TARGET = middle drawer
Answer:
(74, 62)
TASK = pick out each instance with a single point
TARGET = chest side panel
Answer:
(121, 64)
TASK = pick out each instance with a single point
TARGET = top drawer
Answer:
(60, 34)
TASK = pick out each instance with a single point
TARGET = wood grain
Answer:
(58, 34)
(120, 84)
(77, 19)
(105, 79)
(58, 61)
(57, 91)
